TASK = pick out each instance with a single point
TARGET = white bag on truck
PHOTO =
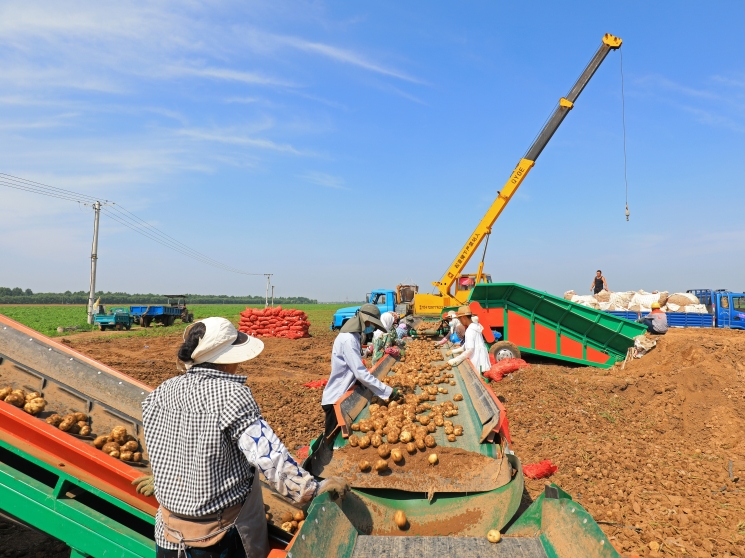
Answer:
(621, 300)
(683, 299)
(694, 309)
(569, 294)
(586, 300)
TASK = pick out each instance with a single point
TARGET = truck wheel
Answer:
(170, 320)
(128, 327)
(102, 327)
(118, 327)
(504, 349)
(145, 322)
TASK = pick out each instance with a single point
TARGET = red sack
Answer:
(316, 384)
(302, 453)
(540, 470)
(504, 367)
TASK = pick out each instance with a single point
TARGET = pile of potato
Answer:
(120, 445)
(32, 403)
(74, 423)
(292, 522)
(413, 421)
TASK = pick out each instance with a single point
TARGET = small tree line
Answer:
(17, 295)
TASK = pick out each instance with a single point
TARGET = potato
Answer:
(364, 442)
(429, 441)
(424, 420)
(286, 517)
(15, 399)
(458, 430)
(376, 440)
(32, 395)
(364, 465)
(131, 438)
(67, 423)
(397, 456)
(452, 382)
(439, 421)
(35, 406)
(98, 442)
(433, 459)
(420, 445)
(119, 434)
(294, 524)
(300, 524)
(137, 456)
(356, 427)
(451, 438)
(411, 447)
(384, 451)
(80, 416)
(353, 441)
(54, 419)
(287, 526)
(5, 392)
(405, 437)
(381, 465)
(431, 428)
(125, 456)
(131, 446)
(399, 518)
(448, 430)
(494, 536)
(85, 430)
(20, 392)
(299, 516)
(115, 454)
(110, 446)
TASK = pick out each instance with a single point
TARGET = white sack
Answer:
(644, 300)
(586, 300)
(621, 300)
(604, 305)
(603, 296)
(672, 307)
(569, 295)
(694, 309)
(639, 308)
(683, 299)
(642, 345)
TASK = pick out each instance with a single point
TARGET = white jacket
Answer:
(474, 348)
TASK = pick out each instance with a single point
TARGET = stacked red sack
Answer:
(274, 322)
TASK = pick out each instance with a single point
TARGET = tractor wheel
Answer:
(504, 349)
(145, 322)
(191, 318)
(170, 320)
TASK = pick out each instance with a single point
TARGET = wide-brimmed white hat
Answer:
(223, 344)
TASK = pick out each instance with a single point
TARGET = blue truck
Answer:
(163, 314)
(397, 300)
(725, 310)
(117, 318)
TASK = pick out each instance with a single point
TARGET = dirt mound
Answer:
(648, 449)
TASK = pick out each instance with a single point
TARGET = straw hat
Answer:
(464, 311)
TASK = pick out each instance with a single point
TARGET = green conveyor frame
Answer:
(543, 324)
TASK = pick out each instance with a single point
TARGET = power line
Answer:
(623, 119)
(121, 215)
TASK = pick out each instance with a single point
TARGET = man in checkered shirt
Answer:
(205, 438)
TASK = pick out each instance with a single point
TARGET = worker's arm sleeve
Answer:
(458, 350)
(265, 451)
(355, 364)
(468, 353)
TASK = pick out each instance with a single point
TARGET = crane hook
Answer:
(627, 212)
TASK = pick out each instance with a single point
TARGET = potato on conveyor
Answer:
(85, 430)
(32, 395)
(80, 417)
(130, 446)
(137, 456)
(125, 456)
(34, 406)
(16, 399)
(109, 447)
(5, 392)
(54, 419)
(67, 423)
(98, 442)
(119, 434)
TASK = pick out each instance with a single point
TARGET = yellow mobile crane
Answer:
(433, 304)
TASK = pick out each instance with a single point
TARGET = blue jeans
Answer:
(229, 547)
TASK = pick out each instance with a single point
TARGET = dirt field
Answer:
(647, 450)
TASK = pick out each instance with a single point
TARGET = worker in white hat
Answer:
(453, 323)
(347, 366)
(473, 347)
(206, 439)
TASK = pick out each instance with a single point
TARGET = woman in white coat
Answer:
(473, 347)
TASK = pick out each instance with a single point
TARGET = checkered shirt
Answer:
(192, 425)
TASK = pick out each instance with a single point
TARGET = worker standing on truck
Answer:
(598, 283)
(656, 320)
(473, 347)
(347, 366)
(206, 439)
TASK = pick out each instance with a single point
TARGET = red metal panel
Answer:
(596, 356)
(489, 318)
(70, 454)
(545, 339)
(518, 330)
(570, 347)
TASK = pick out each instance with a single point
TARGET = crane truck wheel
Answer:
(504, 349)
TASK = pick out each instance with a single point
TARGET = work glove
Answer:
(337, 487)
(453, 362)
(395, 394)
(144, 485)
(448, 353)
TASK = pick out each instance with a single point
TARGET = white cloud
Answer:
(229, 75)
(325, 180)
(223, 137)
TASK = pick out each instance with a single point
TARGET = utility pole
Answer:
(272, 296)
(266, 296)
(94, 258)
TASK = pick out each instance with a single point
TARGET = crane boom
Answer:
(521, 170)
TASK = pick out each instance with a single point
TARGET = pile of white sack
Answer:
(639, 301)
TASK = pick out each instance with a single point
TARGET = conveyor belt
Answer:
(460, 547)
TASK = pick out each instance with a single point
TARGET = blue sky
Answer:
(349, 146)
